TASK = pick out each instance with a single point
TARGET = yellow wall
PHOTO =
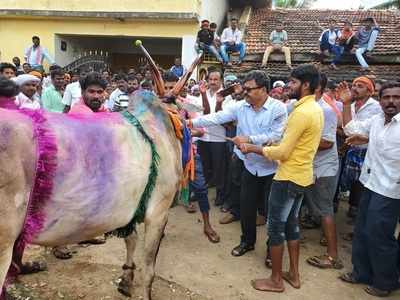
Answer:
(16, 33)
(105, 5)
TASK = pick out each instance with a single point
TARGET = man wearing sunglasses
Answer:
(260, 120)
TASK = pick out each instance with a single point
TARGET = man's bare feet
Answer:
(211, 234)
(293, 280)
(267, 285)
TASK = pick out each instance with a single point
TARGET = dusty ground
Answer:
(188, 267)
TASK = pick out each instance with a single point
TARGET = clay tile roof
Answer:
(303, 34)
(345, 72)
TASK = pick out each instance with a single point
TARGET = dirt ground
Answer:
(188, 267)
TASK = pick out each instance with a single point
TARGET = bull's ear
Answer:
(158, 80)
(181, 83)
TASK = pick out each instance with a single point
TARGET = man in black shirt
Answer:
(205, 40)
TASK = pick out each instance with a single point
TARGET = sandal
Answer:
(349, 278)
(95, 241)
(241, 249)
(376, 292)
(32, 267)
(61, 253)
(325, 262)
(323, 241)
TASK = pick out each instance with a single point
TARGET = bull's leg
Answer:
(126, 284)
(154, 228)
(5, 262)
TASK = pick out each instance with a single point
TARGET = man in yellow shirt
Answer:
(295, 155)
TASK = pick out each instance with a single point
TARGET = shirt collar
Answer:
(304, 100)
(397, 117)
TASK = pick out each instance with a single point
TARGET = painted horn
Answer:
(158, 81)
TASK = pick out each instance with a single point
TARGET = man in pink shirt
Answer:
(93, 87)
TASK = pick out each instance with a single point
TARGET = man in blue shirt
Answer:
(178, 69)
(260, 120)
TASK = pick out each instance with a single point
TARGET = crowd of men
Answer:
(266, 150)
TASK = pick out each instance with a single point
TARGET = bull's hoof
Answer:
(124, 287)
(32, 267)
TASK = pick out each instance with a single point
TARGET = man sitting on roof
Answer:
(278, 39)
(327, 42)
(205, 40)
(231, 40)
(366, 36)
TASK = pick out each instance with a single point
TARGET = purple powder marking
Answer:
(89, 143)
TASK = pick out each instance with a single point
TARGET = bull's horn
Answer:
(181, 83)
(159, 82)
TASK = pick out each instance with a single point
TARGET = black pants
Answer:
(356, 191)
(253, 196)
(235, 173)
(213, 158)
(375, 248)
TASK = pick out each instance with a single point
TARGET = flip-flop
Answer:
(32, 267)
(286, 277)
(376, 292)
(61, 254)
(349, 278)
(325, 262)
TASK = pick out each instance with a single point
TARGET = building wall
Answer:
(109, 6)
(16, 33)
(214, 11)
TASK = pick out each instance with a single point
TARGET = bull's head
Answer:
(158, 80)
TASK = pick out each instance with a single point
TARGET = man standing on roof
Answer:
(35, 54)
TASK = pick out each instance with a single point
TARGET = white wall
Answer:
(214, 11)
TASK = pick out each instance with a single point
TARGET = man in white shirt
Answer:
(72, 94)
(363, 107)
(375, 250)
(319, 197)
(212, 145)
(231, 40)
(35, 54)
(28, 86)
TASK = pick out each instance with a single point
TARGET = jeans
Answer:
(209, 48)
(237, 47)
(371, 44)
(375, 248)
(283, 212)
(199, 187)
(253, 195)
